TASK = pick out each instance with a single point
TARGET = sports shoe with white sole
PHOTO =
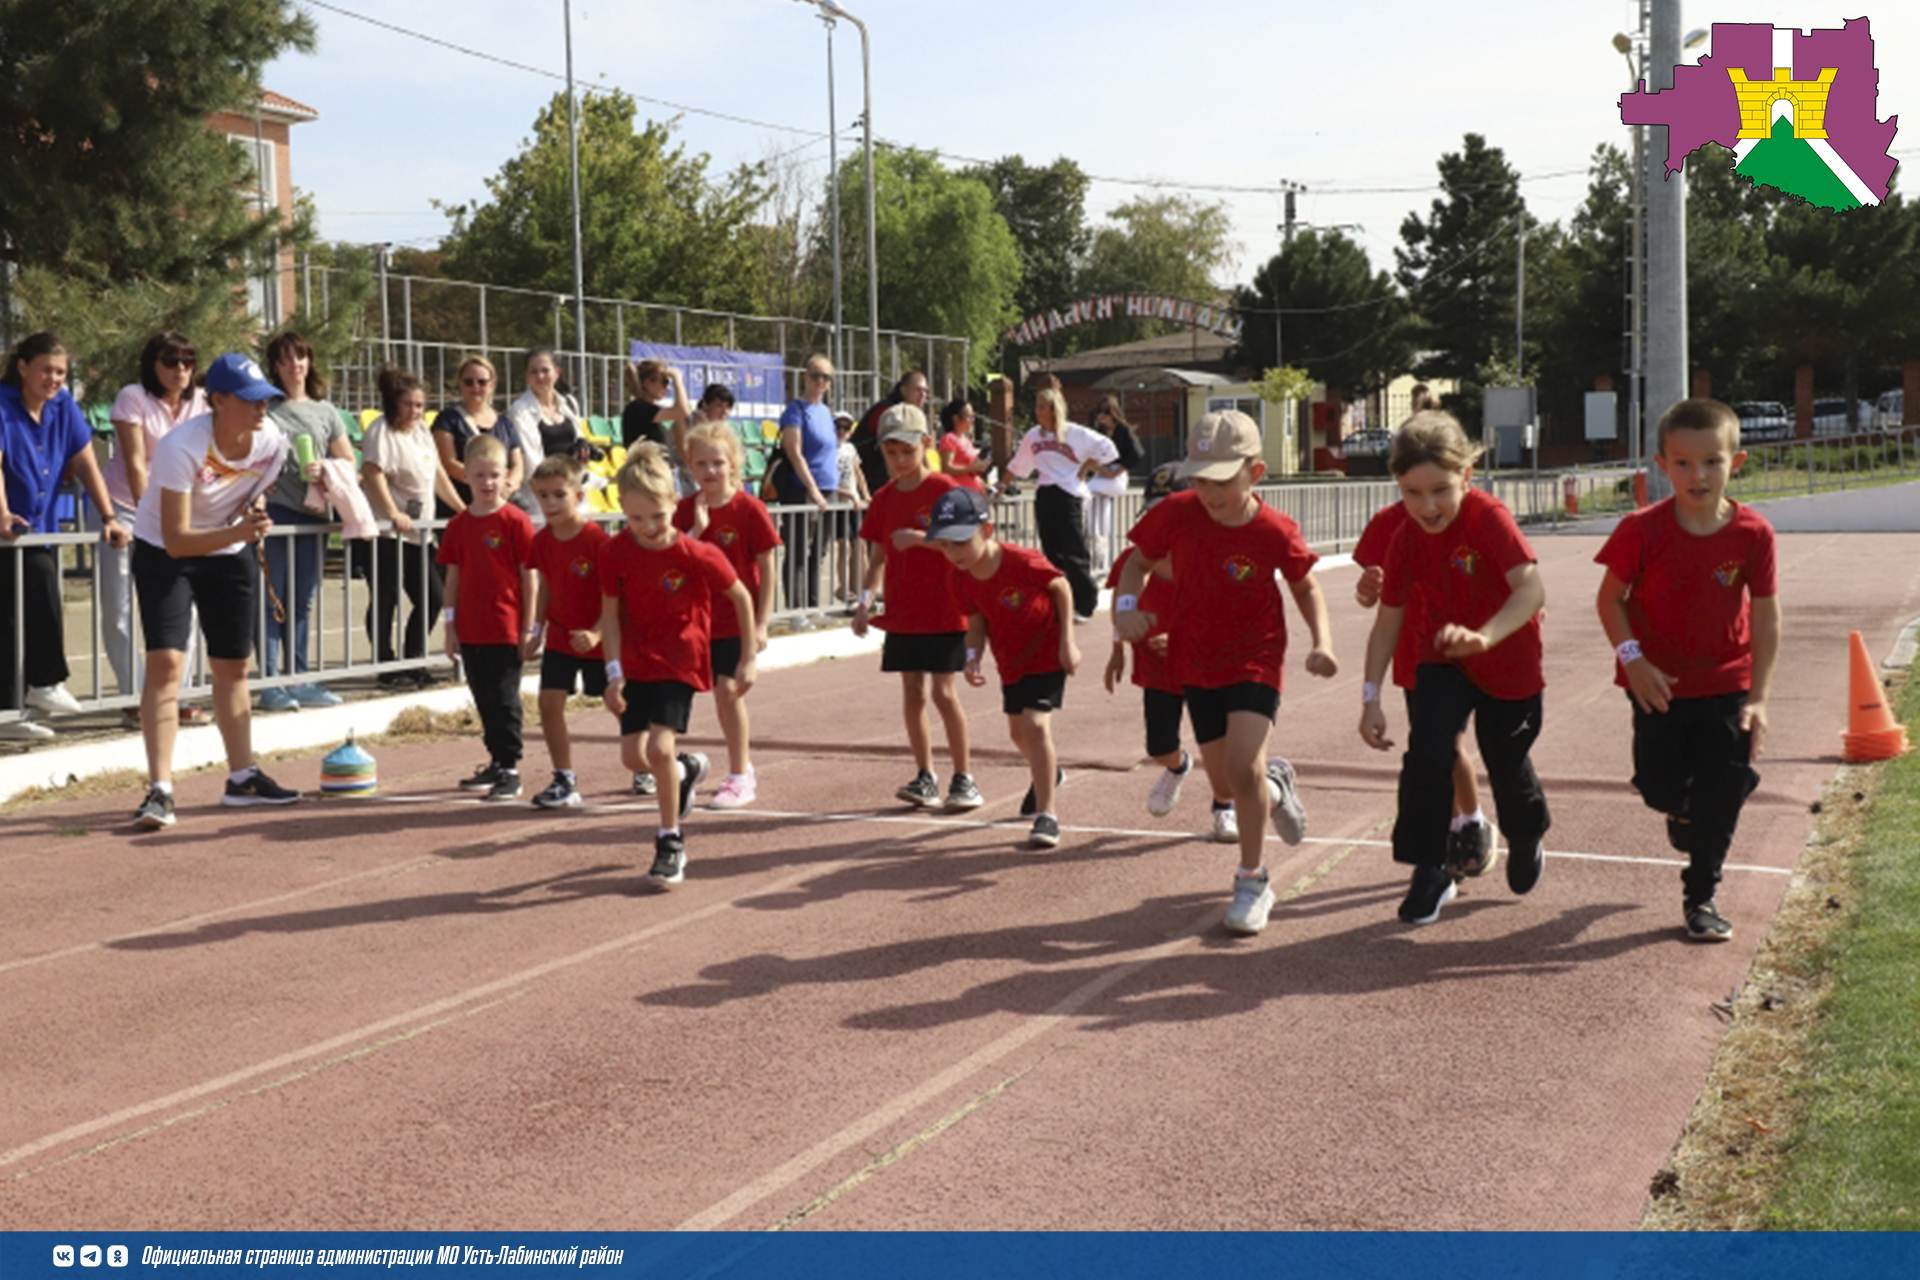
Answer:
(53, 699)
(1226, 826)
(1472, 850)
(24, 730)
(693, 772)
(155, 812)
(963, 794)
(736, 791)
(258, 789)
(1431, 889)
(1252, 902)
(1289, 816)
(1706, 924)
(923, 791)
(558, 794)
(1045, 833)
(644, 784)
(1166, 789)
(669, 861)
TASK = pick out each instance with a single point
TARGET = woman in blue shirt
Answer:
(44, 441)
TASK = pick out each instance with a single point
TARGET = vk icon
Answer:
(116, 1255)
(89, 1255)
(63, 1255)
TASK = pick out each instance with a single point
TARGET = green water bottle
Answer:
(303, 449)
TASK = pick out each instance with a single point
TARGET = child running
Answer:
(925, 625)
(1016, 600)
(1690, 604)
(1162, 701)
(1222, 547)
(485, 551)
(1471, 847)
(658, 591)
(722, 514)
(1462, 567)
(566, 616)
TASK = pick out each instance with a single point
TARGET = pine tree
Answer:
(1459, 266)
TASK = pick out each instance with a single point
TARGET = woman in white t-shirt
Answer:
(401, 472)
(143, 413)
(196, 535)
(1062, 454)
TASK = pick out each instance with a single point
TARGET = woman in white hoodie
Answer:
(546, 421)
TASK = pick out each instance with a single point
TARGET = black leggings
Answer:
(36, 570)
(1438, 706)
(413, 572)
(1063, 536)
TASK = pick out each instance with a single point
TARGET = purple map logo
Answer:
(1795, 107)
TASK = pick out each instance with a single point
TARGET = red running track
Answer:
(424, 1012)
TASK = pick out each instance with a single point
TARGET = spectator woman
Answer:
(650, 415)
(401, 471)
(1062, 454)
(143, 413)
(456, 426)
(1108, 481)
(811, 447)
(959, 455)
(545, 418)
(44, 439)
(196, 539)
(303, 414)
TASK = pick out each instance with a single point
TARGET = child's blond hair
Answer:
(1431, 436)
(485, 449)
(562, 466)
(646, 471)
(722, 437)
(1701, 414)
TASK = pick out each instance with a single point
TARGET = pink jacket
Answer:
(338, 485)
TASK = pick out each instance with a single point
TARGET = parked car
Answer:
(1889, 410)
(1763, 420)
(1370, 440)
(1830, 417)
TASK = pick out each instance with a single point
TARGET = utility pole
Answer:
(1666, 297)
(579, 261)
(833, 191)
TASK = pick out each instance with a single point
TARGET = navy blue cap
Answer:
(956, 514)
(1165, 481)
(236, 375)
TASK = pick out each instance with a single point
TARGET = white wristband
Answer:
(866, 598)
(1125, 604)
(1628, 651)
(447, 613)
(973, 656)
(1117, 638)
(614, 671)
(1369, 692)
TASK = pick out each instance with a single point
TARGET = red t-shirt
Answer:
(571, 570)
(1229, 625)
(489, 551)
(1460, 575)
(666, 607)
(1691, 598)
(1150, 669)
(743, 530)
(1371, 552)
(965, 454)
(918, 580)
(1022, 627)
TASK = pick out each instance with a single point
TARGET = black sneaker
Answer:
(922, 791)
(645, 785)
(693, 772)
(155, 812)
(1028, 805)
(485, 778)
(1472, 850)
(1045, 833)
(669, 861)
(1523, 869)
(506, 786)
(963, 795)
(1432, 888)
(561, 794)
(1706, 924)
(257, 789)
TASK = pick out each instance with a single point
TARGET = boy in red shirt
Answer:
(926, 630)
(1223, 547)
(1690, 604)
(485, 553)
(722, 514)
(1162, 700)
(659, 591)
(566, 614)
(1014, 598)
(1462, 568)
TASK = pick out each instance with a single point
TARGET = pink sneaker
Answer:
(735, 793)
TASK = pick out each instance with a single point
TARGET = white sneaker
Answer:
(1166, 791)
(53, 699)
(24, 730)
(1252, 901)
(1226, 826)
(1289, 816)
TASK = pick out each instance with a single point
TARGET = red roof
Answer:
(281, 105)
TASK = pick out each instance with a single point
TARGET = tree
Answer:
(1459, 266)
(1346, 322)
(1160, 244)
(949, 264)
(110, 171)
(653, 226)
(1730, 278)
(1046, 209)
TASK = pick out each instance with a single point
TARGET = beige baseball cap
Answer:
(1219, 445)
(903, 422)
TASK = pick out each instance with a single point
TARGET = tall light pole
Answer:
(829, 9)
(1636, 289)
(833, 187)
(579, 261)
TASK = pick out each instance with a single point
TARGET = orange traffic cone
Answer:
(1872, 732)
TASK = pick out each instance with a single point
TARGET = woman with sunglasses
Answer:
(456, 426)
(142, 414)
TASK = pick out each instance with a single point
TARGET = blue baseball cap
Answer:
(237, 375)
(956, 514)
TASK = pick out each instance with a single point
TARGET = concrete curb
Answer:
(1905, 646)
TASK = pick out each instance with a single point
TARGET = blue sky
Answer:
(1356, 100)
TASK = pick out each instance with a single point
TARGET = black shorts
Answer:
(221, 586)
(1209, 708)
(667, 704)
(563, 670)
(1163, 720)
(1044, 692)
(725, 653)
(939, 652)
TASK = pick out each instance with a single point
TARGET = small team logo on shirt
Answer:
(1012, 597)
(672, 583)
(1465, 560)
(582, 569)
(923, 520)
(727, 537)
(1728, 574)
(493, 541)
(1241, 569)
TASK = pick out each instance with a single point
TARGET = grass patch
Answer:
(100, 784)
